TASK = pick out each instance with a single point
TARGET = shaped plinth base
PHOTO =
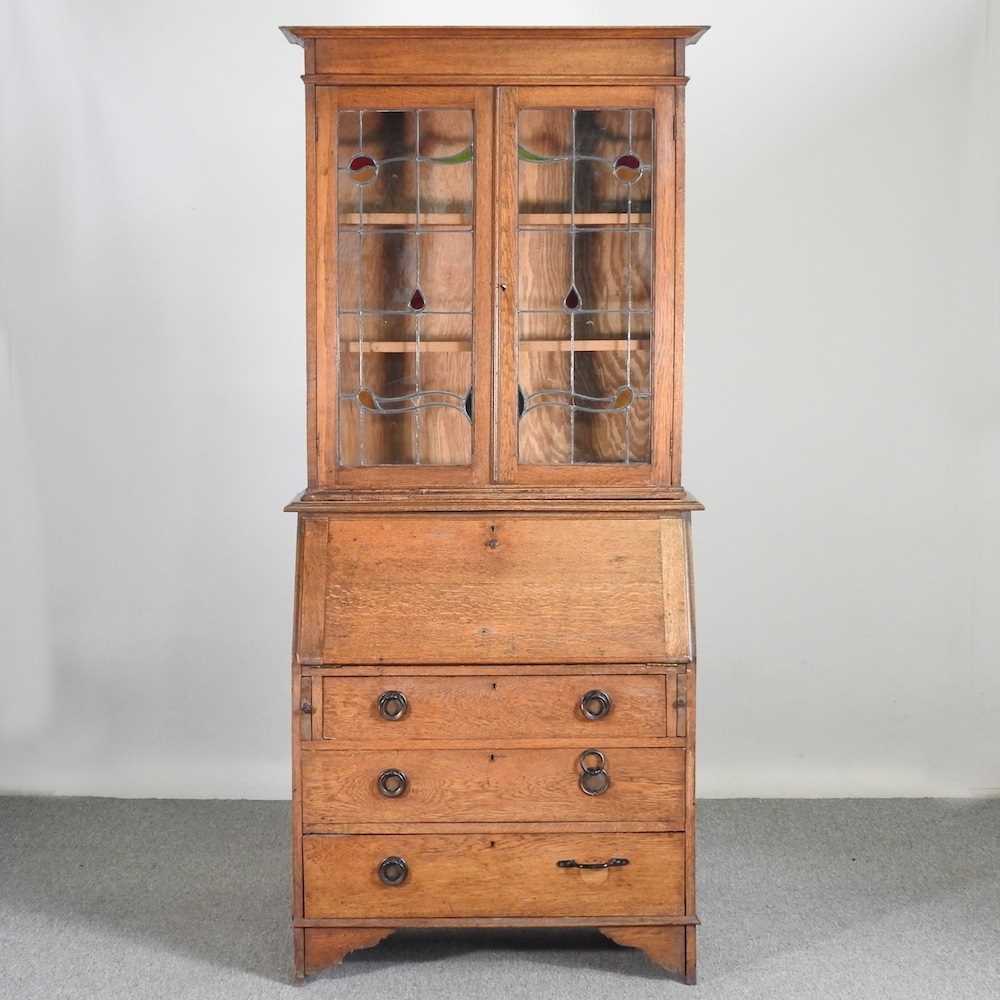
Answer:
(318, 948)
(672, 948)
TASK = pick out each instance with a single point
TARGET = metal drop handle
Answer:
(595, 782)
(595, 704)
(392, 783)
(393, 870)
(610, 863)
(392, 705)
(594, 777)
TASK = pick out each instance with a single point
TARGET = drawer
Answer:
(495, 874)
(461, 589)
(537, 785)
(485, 706)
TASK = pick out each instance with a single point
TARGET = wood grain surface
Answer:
(484, 785)
(502, 874)
(666, 946)
(493, 705)
(500, 590)
(327, 946)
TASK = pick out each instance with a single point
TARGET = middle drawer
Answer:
(343, 787)
(482, 705)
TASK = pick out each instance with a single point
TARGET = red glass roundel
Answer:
(627, 168)
(363, 169)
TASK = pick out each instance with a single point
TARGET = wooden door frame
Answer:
(323, 340)
(664, 467)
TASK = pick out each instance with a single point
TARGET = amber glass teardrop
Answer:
(623, 399)
(417, 300)
(572, 300)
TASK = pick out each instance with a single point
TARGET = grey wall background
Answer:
(842, 390)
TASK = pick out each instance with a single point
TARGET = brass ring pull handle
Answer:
(393, 871)
(392, 705)
(594, 778)
(610, 863)
(595, 782)
(392, 783)
(595, 705)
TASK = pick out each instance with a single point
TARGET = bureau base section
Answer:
(673, 947)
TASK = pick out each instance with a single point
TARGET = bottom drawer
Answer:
(500, 875)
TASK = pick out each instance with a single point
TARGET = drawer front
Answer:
(530, 589)
(500, 875)
(343, 786)
(483, 706)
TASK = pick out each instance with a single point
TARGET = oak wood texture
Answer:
(494, 56)
(666, 946)
(502, 874)
(608, 502)
(661, 920)
(328, 946)
(504, 786)
(488, 706)
(497, 590)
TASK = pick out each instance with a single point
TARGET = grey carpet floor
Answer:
(799, 899)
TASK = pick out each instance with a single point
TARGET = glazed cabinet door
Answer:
(403, 288)
(586, 281)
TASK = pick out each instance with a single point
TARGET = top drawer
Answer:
(512, 589)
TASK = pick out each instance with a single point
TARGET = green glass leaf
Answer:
(528, 156)
(464, 156)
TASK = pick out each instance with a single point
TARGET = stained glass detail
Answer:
(409, 402)
(584, 284)
(620, 400)
(404, 210)
(627, 168)
(462, 156)
(363, 169)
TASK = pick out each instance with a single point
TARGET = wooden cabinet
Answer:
(493, 670)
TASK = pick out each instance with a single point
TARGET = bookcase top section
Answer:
(494, 56)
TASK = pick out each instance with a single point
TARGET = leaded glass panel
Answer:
(585, 284)
(404, 286)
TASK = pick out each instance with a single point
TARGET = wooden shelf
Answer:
(462, 221)
(428, 220)
(583, 219)
(464, 346)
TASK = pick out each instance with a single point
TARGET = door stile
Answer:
(507, 285)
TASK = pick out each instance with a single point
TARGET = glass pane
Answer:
(446, 167)
(585, 284)
(404, 287)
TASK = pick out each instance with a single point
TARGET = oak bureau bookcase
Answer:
(493, 673)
